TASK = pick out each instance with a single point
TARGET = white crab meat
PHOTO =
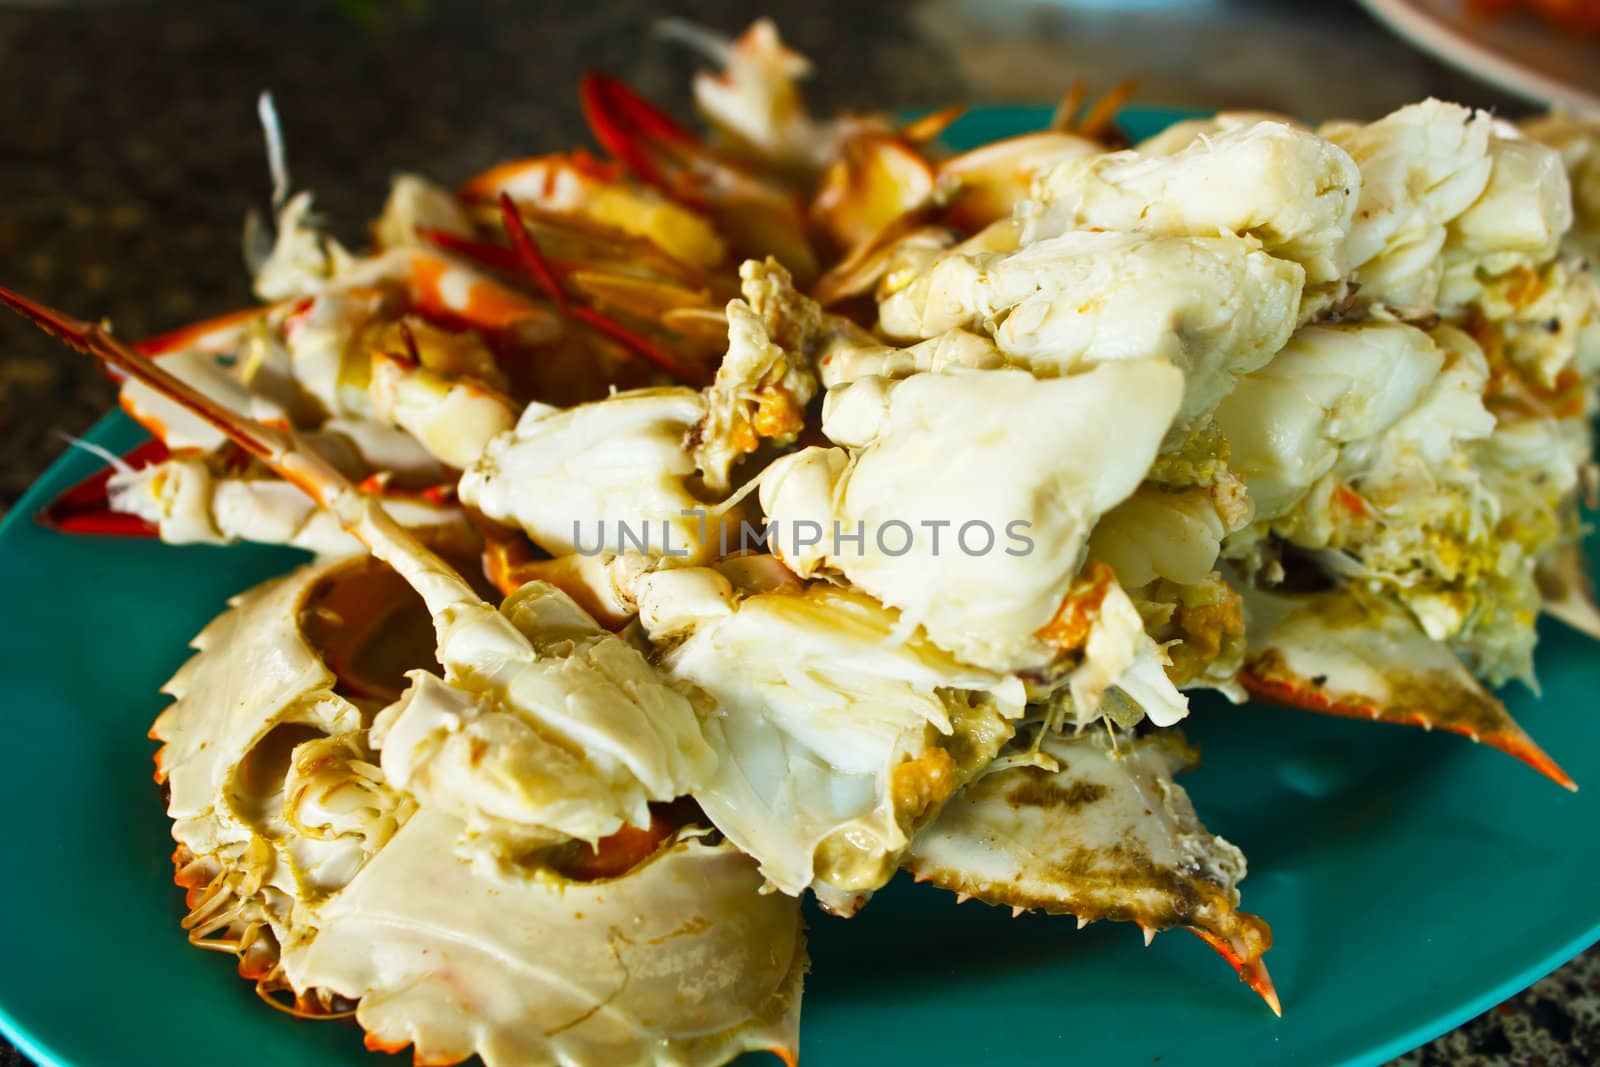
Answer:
(1216, 307)
(1421, 167)
(610, 475)
(303, 259)
(323, 342)
(987, 183)
(1118, 656)
(1286, 422)
(453, 419)
(1161, 533)
(986, 554)
(1293, 191)
(1181, 135)
(1103, 834)
(1517, 222)
(850, 359)
(682, 960)
(754, 103)
(544, 726)
(838, 730)
(1577, 140)
(982, 554)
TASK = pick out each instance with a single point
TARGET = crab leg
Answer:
(1333, 653)
(543, 275)
(440, 587)
(760, 218)
(572, 725)
(86, 507)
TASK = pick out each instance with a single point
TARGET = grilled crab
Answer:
(545, 896)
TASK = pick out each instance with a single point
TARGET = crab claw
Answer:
(1334, 653)
(86, 507)
(760, 218)
(1107, 835)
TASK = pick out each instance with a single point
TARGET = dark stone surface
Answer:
(129, 153)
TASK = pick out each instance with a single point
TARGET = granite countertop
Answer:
(131, 154)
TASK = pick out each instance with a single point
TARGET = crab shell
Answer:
(1364, 658)
(1105, 835)
(280, 814)
(680, 961)
(274, 799)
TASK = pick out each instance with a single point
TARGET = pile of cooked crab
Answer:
(538, 756)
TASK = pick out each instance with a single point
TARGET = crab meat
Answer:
(754, 104)
(1577, 140)
(875, 179)
(1216, 307)
(1517, 222)
(579, 734)
(853, 358)
(1341, 654)
(1330, 385)
(302, 259)
(1104, 833)
(453, 419)
(838, 732)
(416, 205)
(762, 386)
(609, 475)
(1181, 135)
(1421, 167)
(1024, 474)
(1287, 187)
(680, 960)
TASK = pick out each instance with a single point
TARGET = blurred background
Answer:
(130, 153)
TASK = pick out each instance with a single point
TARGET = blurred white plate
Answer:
(1518, 53)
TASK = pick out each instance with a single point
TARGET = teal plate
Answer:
(1412, 881)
